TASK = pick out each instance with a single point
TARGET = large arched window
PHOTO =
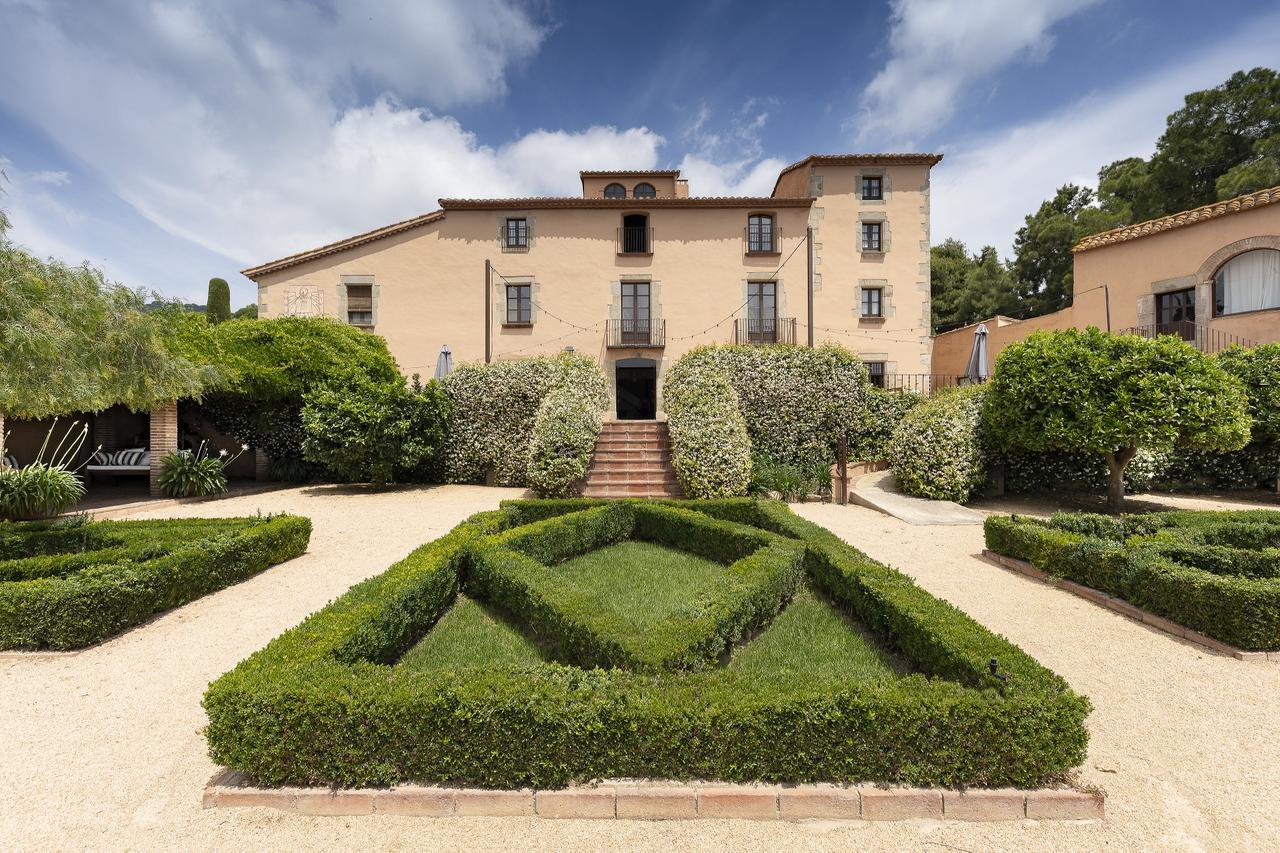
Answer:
(615, 191)
(1248, 282)
(760, 233)
(645, 191)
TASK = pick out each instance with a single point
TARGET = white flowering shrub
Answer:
(871, 425)
(494, 410)
(565, 432)
(710, 449)
(937, 450)
(795, 400)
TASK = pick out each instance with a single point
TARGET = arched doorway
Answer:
(636, 384)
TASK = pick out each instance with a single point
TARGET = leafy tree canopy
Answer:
(1096, 392)
(248, 312)
(71, 341)
(1043, 264)
(968, 288)
(1258, 369)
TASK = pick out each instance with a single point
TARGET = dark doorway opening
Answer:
(637, 386)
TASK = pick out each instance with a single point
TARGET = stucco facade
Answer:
(576, 265)
(1162, 276)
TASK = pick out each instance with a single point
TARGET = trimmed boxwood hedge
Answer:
(320, 705)
(87, 582)
(1215, 572)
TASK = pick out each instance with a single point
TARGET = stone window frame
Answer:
(1207, 274)
(530, 230)
(887, 309)
(499, 301)
(886, 188)
(359, 281)
(866, 217)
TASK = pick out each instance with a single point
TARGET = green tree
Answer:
(218, 307)
(248, 312)
(1042, 248)
(1091, 391)
(364, 429)
(967, 288)
(949, 263)
(1230, 129)
(70, 341)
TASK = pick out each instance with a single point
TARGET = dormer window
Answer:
(615, 191)
(645, 190)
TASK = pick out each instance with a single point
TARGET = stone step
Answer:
(639, 455)
(630, 491)
(632, 447)
(602, 477)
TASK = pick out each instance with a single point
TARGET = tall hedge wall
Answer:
(710, 449)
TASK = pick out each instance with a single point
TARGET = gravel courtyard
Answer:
(102, 749)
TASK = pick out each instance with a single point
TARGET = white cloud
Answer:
(53, 179)
(242, 126)
(708, 178)
(985, 186)
(940, 48)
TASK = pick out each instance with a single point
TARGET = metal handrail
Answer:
(1202, 336)
(765, 330)
(636, 333)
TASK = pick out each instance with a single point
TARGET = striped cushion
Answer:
(102, 457)
(130, 458)
(11, 460)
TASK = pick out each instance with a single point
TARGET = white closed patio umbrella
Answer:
(444, 362)
(978, 368)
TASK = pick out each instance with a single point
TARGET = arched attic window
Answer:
(615, 191)
(645, 190)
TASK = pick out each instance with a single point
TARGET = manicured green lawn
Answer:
(471, 635)
(640, 582)
(810, 641)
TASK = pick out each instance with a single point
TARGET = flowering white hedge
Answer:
(494, 410)
(565, 432)
(872, 424)
(710, 449)
(937, 450)
(795, 400)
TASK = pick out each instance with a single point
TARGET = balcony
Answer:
(762, 241)
(636, 334)
(635, 240)
(765, 330)
(1200, 336)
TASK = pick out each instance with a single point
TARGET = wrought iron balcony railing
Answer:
(636, 333)
(635, 240)
(1202, 337)
(765, 330)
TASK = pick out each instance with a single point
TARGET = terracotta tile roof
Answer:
(608, 173)
(543, 202)
(340, 245)
(917, 159)
(1178, 220)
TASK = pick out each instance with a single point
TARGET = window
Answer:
(1176, 313)
(633, 239)
(516, 234)
(635, 312)
(872, 302)
(1248, 282)
(360, 304)
(875, 372)
(762, 312)
(872, 187)
(871, 236)
(615, 191)
(519, 305)
(760, 233)
(645, 191)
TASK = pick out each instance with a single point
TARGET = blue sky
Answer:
(172, 140)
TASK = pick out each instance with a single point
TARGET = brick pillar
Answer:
(260, 464)
(164, 439)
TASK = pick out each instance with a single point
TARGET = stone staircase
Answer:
(632, 459)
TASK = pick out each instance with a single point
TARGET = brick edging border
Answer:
(668, 801)
(1124, 608)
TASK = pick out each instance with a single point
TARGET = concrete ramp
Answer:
(879, 491)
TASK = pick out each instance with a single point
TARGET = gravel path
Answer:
(102, 749)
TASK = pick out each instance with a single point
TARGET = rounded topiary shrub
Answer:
(710, 448)
(494, 409)
(937, 450)
(872, 424)
(795, 400)
(565, 431)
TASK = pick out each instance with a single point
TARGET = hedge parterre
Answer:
(1215, 572)
(66, 585)
(327, 703)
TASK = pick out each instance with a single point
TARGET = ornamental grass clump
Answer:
(45, 488)
(185, 474)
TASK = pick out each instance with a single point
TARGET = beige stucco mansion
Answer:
(636, 271)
